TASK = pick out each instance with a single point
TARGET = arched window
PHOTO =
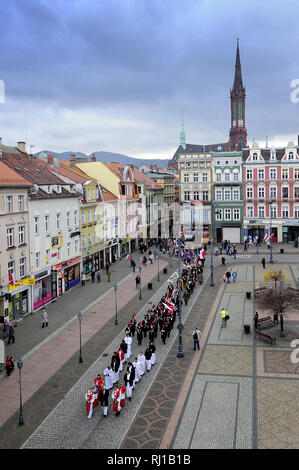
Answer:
(240, 143)
(240, 108)
(291, 156)
(234, 110)
(254, 156)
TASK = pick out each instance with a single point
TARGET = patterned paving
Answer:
(229, 360)
(278, 418)
(280, 362)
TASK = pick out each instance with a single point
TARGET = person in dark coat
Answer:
(9, 365)
(223, 261)
(103, 397)
(264, 263)
(163, 334)
(139, 334)
(11, 334)
(92, 275)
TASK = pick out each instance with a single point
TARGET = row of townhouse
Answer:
(243, 194)
(59, 219)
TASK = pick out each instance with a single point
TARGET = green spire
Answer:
(182, 134)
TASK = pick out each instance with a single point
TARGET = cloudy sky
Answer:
(88, 75)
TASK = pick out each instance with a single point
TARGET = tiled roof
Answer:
(280, 152)
(141, 177)
(9, 177)
(41, 194)
(194, 148)
(108, 196)
(73, 175)
(32, 169)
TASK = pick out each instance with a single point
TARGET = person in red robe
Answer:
(122, 389)
(116, 401)
(91, 401)
(98, 381)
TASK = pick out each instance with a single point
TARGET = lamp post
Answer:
(180, 326)
(140, 297)
(115, 289)
(270, 208)
(20, 365)
(212, 284)
(158, 267)
(80, 316)
(170, 249)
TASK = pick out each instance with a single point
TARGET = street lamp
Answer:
(115, 289)
(20, 365)
(270, 208)
(158, 267)
(212, 284)
(180, 326)
(170, 249)
(140, 297)
(80, 316)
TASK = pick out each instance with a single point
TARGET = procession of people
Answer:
(159, 319)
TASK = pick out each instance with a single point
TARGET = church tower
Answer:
(238, 132)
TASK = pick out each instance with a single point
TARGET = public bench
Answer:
(268, 338)
(258, 290)
(264, 322)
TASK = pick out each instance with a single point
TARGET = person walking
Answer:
(255, 318)
(196, 338)
(9, 365)
(223, 261)
(93, 274)
(186, 296)
(133, 264)
(83, 279)
(137, 279)
(103, 397)
(99, 276)
(264, 263)
(234, 276)
(11, 336)
(148, 356)
(228, 276)
(224, 316)
(44, 317)
(109, 274)
(6, 328)
(245, 246)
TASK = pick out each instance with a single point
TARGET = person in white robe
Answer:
(128, 384)
(137, 366)
(108, 378)
(128, 341)
(141, 359)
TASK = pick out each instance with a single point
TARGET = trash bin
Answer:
(281, 250)
(248, 295)
(150, 285)
(247, 329)
(165, 270)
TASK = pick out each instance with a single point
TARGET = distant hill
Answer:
(108, 157)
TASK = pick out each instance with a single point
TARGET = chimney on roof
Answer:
(81, 160)
(93, 158)
(50, 159)
(1, 147)
(72, 160)
(21, 146)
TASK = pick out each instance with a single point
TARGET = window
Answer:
(59, 253)
(88, 194)
(236, 194)
(236, 176)
(218, 177)
(89, 238)
(236, 214)
(94, 215)
(291, 156)
(21, 203)
(249, 211)
(296, 173)
(22, 267)
(218, 194)
(227, 194)
(205, 195)
(285, 211)
(89, 217)
(11, 268)
(273, 192)
(186, 178)
(285, 173)
(36, 225)
(205, 177)
(272, 173)
(261, 191)
(249, 174)
(273, 154)
(84, 241)
(58, 221)
(187, 196)
(227, 214)
(218, 214)
(76, 246)
(261, 211)
(273, 211)
(93, 194)
(261, 174)
(226, 176)
(9, 203)
(196, 195)
(10, 237)
(285, 192)
(249, 192)
(46, 223)
(37, 259)
(68, 248)
(83, 218)
(195, 177)
(68, 215)
(254, 156)
(94, 238)
(296, 212)
(296, 191)
(22, 235)
(75, 218)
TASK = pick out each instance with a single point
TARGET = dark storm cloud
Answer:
(141, 61)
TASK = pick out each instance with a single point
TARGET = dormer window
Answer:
(254, 156)
(49, 189)
(291, 156)
(273, 154)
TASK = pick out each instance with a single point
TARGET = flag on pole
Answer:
(12, 279)
(128, 257)
(266, 237)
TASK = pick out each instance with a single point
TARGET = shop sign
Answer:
(57, 241)
(296, 222)
(70, 262)
(53, 255)
(29, 281)
(57, 267)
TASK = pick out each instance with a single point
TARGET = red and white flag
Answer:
(266, 237)
(168, 308)
(12, 279)
(128, 257)
(202, 253)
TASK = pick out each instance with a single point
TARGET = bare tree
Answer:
(279, 300)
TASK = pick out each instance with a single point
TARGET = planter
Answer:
(248, 295)
(165, 270)
(150, 285)
(247, 329)
(281, 250)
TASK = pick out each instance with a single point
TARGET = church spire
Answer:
(238, 83)
(182, 133)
